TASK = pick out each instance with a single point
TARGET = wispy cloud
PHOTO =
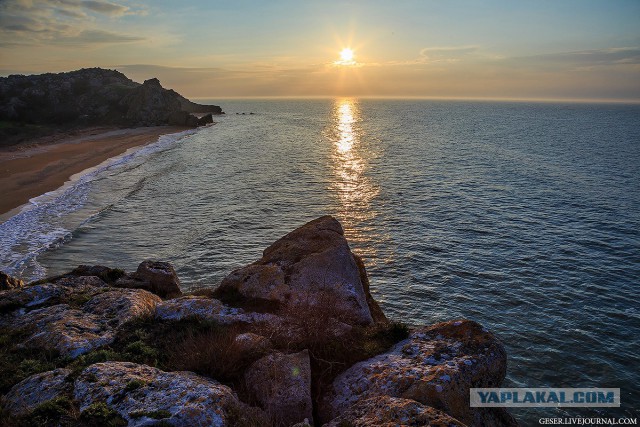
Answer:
(609, 56)
(97, 37)
(105, 7)
(445, 53)
(39, 22)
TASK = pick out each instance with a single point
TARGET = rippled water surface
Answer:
(524, 217)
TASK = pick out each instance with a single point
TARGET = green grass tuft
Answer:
(99, 414)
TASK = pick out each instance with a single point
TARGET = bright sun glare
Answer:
(346, 55)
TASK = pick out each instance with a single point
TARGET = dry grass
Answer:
(319, 325)
(212, 352)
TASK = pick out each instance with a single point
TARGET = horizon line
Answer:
(431, 98)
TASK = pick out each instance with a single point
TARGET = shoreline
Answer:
(46, 164)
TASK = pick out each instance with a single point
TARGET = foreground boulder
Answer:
(281, 384)
(32, 392)
(312, 265)
(436, 366)
(143, 395)
(91, 322)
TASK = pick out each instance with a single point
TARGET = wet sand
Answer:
(45, 164)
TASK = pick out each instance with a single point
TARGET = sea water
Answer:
(522, 216)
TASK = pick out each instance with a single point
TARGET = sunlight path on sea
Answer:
(354, 189)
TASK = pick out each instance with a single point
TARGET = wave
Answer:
(48, 220)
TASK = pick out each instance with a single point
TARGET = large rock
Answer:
(8, 282)
(311, 266)
(281, 384)
(435, 366)
(205, 120)
(31, 392)
(154, 276)
(70, 331)
(385, 411)
(182, 118)
(107, 274)
(143, 395)
(75, 331)
(118, 306)
(204, 308)
(33, 296)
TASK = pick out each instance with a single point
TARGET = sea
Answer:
(523, 216)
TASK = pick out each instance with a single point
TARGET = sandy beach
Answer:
(45, 164)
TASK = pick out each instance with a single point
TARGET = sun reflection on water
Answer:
(354, 189)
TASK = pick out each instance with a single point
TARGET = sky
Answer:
(557, 49)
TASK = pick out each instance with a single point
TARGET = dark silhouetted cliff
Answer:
(90, 97)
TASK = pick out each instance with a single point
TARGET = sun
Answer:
(346, 55)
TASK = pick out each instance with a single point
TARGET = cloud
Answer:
(70, 22)
(447, 52)
(87, 37)
(106, 7)
(609, 56)
(432, 55)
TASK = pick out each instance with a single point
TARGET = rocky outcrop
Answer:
(149, 104)
(281, 384)
(32, 392)
(206, 119)
(385, 411)
(143, 395)
(91, 96)
(182, 118)
(33, 296)
(297, 334)
(311, 266)
(153, 276)
(8, 282)
(435, 366)
(91, 322)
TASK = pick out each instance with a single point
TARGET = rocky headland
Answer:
(37, 105)
(293, 339)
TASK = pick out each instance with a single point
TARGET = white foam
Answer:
(39, 225)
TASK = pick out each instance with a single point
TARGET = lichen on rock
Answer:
(385, 411)
(28, 394)
(142, 394)
(73, 331)
(436, 366)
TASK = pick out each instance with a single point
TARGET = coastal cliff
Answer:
(38, 104)
(293, 339)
